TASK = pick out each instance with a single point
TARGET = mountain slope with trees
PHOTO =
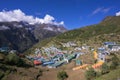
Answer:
(94, 35)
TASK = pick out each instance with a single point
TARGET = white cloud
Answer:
(18, 15)
(96, 11)
(118, 13)
(100, 10)
(62, 22)
(48, 19)
(105, 10)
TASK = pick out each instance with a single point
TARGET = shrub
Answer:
(90, 74)
(1, 75)
(95, 61)
(13, 59)
(2, 56)
(115, 62)
(104, 68)
(62, 75)
(39, 74)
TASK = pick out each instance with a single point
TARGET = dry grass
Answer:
(48, 74)
(87, 58)
(73, 75)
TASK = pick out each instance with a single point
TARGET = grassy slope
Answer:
(113, 75)
(107, 30)
(107, 26)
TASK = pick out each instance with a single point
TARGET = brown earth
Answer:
(51, 74)
(73, 75)
(48, 74)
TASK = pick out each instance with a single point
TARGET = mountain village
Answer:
(52, 57)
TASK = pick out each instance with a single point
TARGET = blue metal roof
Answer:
(109, 43)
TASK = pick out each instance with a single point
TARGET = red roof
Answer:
(36, 62)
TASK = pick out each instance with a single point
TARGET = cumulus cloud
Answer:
(118, 13)
(18, 15)
(100, 9)
(48, 19)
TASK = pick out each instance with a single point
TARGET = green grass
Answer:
(112, 75)
(105, 27)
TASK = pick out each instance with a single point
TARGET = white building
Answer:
(114, 48)
(102, 53)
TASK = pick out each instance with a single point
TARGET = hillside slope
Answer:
(93, 35)
(107, 26)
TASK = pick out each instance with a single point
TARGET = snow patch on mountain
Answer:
(49, 28)
(3, 27)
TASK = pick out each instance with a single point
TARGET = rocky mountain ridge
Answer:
(22, 35)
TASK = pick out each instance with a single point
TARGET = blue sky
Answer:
(74, 13)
